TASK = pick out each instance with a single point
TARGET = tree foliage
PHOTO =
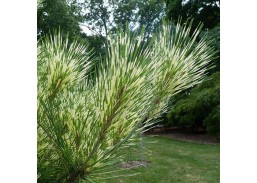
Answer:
(214, 34)
(199, 107)
(103, 16)
(82, 123)
(205, 11)
(148, 13)
(55, 14)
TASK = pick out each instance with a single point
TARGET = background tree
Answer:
(55, 14)
(214, 34)
(205, 11)
(148, 13)
(97, 17)
(102, 16)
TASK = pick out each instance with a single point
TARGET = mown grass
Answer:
(172, 161)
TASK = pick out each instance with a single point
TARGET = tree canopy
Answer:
(205, 11)
(102, 16)
(59, 14)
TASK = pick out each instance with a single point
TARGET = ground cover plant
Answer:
(83, 121)
(171, 161)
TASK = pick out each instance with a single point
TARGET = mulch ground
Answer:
(187, 137)
(133, 164)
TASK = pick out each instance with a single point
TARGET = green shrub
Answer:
(199, 107)
(212, 121)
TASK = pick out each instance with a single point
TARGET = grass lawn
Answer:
(172, 161)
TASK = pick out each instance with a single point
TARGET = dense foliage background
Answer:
(198, 107)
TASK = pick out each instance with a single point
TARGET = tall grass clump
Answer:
(82, 122)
